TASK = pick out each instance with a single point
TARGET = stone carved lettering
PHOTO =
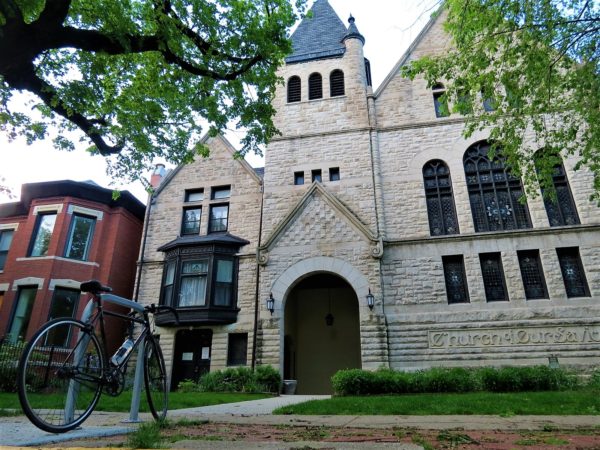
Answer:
(510, 337)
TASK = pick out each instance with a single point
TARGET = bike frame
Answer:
(94, 314)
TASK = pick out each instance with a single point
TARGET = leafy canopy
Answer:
(535, 65)
(138, 77)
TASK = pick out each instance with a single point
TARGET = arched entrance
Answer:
(322, 332)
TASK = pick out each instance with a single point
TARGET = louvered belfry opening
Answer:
(336, 83)
(315, 86)
(294, 91)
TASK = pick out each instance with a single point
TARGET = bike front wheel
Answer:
(60, 375)
(155, 377)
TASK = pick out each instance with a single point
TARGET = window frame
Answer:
(291, 84)
(435, 195)
(337, 86)
(90, 237)
(190, 192)
(558, 211)
(488, 286)
(184, 221)
(212, 221)
(4, 253)
(572, 252)
(36, 233)
(231, 362)
(299, 178)
(316, 175)
(487, 178)
(177, 261)
(315, 86)
(73, 314)
(535, 255)
(216, 190)
(334, 174)
(29, 309)
(440, 101)
(447, 260)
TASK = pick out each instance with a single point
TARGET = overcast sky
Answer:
(389, 26)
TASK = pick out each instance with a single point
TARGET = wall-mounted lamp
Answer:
(271, 303)
(370, 300)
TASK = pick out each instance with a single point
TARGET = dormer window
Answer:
(336, 83)
(294, 89)
(315, 86)
(440, 103)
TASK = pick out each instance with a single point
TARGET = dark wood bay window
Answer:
(200, 279)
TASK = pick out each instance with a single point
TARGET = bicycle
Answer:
(65, 367)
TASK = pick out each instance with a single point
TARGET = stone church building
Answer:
(376, 236)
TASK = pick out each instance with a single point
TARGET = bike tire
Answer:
(60, 375)
(155, 378)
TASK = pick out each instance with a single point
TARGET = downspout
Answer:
(378, 199)
(257, 290)
(143, 250)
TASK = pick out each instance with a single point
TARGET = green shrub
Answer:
(241, 379)
(594, 380)
(506, 379)
(187, 386)
(268, 379)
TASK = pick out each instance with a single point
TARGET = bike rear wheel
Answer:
(60, 373)
(155, 377)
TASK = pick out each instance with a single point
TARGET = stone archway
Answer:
(321, 332)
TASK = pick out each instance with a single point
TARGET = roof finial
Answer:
(352, 31)
(351, 18)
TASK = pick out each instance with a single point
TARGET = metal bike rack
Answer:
(137, 383)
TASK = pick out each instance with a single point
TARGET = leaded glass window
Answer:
(494, 193)
(439, 198)
(561, 210)
(532, 274)
(456, 281)
(315, 86)
(572, 272)
(493, 277)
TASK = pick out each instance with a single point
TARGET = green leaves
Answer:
(144, 79)
(539, 60)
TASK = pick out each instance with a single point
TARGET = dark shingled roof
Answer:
(87, 190)
(319, 35)
(215, 238)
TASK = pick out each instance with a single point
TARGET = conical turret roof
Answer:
(319, 35)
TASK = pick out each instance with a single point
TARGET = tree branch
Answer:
(55, 12)
(32, 83)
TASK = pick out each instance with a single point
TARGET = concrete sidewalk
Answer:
(18, 431)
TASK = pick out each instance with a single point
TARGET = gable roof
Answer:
(319, 35)
(407, 54)
(247, 167)
(332, 201)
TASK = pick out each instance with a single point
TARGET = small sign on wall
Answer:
(187, 356)
(205, 353)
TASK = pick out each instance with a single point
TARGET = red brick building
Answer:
(59, 234)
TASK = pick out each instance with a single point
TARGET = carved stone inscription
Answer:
(510, 337)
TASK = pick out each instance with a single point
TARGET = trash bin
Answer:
(289, 387)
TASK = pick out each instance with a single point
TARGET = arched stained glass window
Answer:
(493, 192)
(294, 89)
(439, 197)
(315, 86)
(336, 83)
(561, 210)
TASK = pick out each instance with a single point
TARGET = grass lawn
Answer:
(177, 400)
(579, 402)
